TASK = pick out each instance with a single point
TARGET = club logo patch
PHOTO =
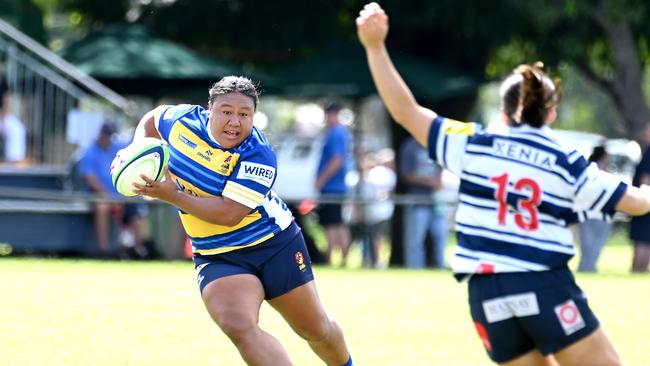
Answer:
(569, 316)
(300, 261)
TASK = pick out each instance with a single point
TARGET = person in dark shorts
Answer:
(520, 191)
(246, 246)
(330, 181)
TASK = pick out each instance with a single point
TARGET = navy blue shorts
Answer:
(281, 263)
(515, 313)
(330, 214)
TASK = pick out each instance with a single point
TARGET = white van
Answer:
(298, 158)
(624, 154)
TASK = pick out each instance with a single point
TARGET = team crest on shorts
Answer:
(570, 317)
(300, 261)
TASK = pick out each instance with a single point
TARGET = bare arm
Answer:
(635, 201)
(434, 182)
(330, 169)
(372, 29)
(215, 210)
(147, 127)
(95, 185)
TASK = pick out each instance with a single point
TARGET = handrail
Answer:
(64, 66)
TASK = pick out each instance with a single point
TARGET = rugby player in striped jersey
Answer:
(520, 191)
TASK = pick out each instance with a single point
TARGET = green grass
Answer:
(76, 312)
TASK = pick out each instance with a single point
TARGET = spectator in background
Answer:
(330, 180)
(640, 225)
(378, 183)
(94, 168)
(13, 134)
(422, 177)
(594, 232)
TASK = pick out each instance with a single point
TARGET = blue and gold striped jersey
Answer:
(201, 167)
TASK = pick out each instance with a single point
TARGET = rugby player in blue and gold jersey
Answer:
(247, 247)
(520, 191)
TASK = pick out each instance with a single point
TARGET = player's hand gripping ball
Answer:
(148, 156)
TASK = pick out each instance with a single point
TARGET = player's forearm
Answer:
(390, 85)
(635, 201)
(210, 209)
(399, 100)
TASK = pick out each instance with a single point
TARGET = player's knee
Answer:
(319, 331)
(236, 325)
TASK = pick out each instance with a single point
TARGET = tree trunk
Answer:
(625, 87)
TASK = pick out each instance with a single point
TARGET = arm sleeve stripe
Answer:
(244, 196)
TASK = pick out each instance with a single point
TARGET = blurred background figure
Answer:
(13, 134)
(423, 178)
(640, 225)
(330, 180)
(376, 208)
(94, 168)
(594, 232)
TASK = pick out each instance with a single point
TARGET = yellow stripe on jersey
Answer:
(198, 228)
(453, 127)
(242, 194)
(230, 249)
(192, 146)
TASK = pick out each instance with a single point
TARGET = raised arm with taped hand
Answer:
(520, 192)
(246, 246)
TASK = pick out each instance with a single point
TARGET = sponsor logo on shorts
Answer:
(569, 316)
(260, 173)
(300, 261)
(506, 307)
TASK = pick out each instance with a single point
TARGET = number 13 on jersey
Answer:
(529, 223)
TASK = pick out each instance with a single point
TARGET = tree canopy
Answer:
(605, 40)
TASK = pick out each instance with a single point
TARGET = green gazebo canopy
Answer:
(124, 51)
(341, 69)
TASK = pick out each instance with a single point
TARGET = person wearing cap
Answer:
(94, 169)
(330, 181)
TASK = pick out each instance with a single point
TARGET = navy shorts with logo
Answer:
(281, 263)
(515, 313)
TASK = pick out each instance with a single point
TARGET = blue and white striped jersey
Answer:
(201, 167)
(519, 193)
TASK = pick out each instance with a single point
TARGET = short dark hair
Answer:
(332, 107)
(234, 84)
(108, 128)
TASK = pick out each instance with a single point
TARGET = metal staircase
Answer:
(46, 89)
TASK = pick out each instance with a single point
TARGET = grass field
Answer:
(78, 312)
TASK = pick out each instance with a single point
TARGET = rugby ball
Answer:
(148, 156)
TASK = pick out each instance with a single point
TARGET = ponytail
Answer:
(528, 95)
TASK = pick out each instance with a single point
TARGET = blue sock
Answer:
(349, 363)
